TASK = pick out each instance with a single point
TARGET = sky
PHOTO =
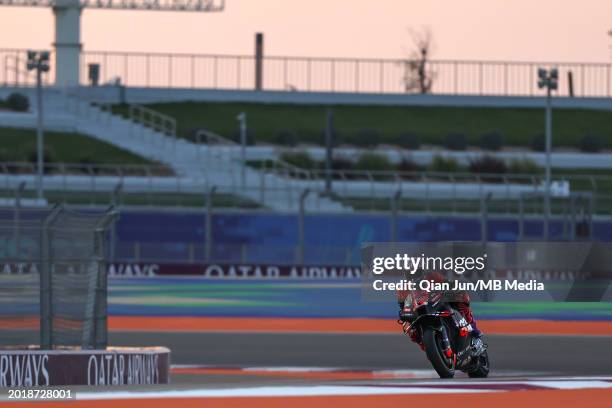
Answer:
(525, 30)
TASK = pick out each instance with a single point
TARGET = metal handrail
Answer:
(287, 169)
(87, 168)
(342, 59)
(290, 171)
(484, 77)
(147, 190)
(212, 137)
(153, 119)
(205, 137)
(398, 176)
(16, 70)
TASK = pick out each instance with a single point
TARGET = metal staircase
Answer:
(152, 135)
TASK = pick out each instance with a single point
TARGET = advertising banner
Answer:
(234, 271)
(116, 366)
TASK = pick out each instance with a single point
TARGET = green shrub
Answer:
(192, 135)
(523, 166)
(299, 159)
(262, 164)
(341, 163)
(366, 138)
(591, 144)
(487, 164)
(10, 156)
(443, 164)
(373, 162)
(492, 141)
(538, 143)
(5, 156)
(87, 160)
(408, 165)
(287, 138)
(337, 138)
(455, 141)
(18, 102)
(407, 140)
(48, 157)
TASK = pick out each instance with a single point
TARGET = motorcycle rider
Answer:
(461, 302)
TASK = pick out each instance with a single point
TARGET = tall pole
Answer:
(259, 45)
(395, 203)
(243, 136)
(301, 238)
(115, 200)
(208, 223)
(17, 219)
(484, 217)
(329, 135)
(548, 79)
(548, 149)
(39, 135)
(521, 226)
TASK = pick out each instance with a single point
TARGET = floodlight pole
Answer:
(548, 79)
(17, 218)
(39, 134)
(484, 217)
(329, 145)
(548, 162)
(301, 227)
(208, 223)
(39, 61)
(395, 204)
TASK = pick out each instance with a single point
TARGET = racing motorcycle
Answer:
(444, 334)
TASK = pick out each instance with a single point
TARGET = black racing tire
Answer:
(445, 367)
(482, 370)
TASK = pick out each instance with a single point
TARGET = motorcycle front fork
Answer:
(446, 346)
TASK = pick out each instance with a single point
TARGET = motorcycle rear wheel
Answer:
(444, 366)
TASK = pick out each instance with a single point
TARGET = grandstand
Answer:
(191, 171)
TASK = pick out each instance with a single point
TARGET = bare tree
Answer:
(418, 76)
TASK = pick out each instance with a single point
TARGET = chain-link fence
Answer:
(52, 278)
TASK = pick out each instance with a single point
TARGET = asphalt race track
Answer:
(511, 355)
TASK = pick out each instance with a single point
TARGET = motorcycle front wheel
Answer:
(444, 366)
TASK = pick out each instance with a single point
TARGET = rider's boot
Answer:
(478, 345)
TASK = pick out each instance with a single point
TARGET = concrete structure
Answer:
(113, 94)
(68, 25)
(198, 167)
(67, 42)
(565, 159)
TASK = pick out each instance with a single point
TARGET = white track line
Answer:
(398, 373)
(419, 387)
(572, 385)
(293, 391)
